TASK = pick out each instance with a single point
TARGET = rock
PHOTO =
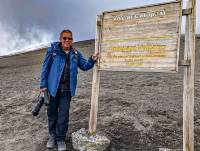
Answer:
(82, 141)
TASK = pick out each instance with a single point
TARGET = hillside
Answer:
(137, 111)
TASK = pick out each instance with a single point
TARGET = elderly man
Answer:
(59, 77)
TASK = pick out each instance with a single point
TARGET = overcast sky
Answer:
(25, 23)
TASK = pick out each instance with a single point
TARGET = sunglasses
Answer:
(65, 38)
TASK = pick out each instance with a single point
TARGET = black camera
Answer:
(41, 100)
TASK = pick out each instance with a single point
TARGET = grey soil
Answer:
(137, 111)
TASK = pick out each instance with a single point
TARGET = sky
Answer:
(28, 23)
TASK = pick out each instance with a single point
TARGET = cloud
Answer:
(24, 24)
(11, 41)
(27, 22)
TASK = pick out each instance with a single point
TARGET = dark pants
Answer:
(58, 114)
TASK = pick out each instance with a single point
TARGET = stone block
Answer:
(82, 141)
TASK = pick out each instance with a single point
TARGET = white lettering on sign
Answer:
(140, 15)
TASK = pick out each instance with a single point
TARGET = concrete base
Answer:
(83, 142)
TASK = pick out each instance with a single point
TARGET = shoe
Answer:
(61, 145)
(51, 142)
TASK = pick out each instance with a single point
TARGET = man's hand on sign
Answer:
(95, 56)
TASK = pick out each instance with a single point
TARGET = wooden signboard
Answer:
(141, 39)
(148, 39)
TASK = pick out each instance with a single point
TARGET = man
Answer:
(59, 77)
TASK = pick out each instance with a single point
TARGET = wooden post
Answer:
(95, 84)
(188, 88)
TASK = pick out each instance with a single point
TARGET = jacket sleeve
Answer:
(84, 64)
(45, 68)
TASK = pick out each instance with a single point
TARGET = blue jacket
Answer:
(53, 67)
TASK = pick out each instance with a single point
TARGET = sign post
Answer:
(95, 84)
(188, 82)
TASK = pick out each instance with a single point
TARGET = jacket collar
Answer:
(57, 49)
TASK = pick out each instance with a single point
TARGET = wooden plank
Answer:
(158, 4)
(179, 33)
(188, 82)
(95, 84)
(120, 69)
(144, 29)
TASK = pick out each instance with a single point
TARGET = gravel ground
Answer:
(137, 111)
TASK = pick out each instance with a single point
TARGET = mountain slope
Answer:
(137, 111)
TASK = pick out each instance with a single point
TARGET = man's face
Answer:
(66, 40)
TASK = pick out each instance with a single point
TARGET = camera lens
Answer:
(38, 106)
